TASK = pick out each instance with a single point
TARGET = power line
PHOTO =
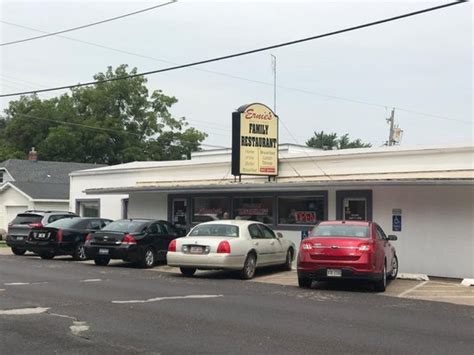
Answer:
(87, 25)
(240, 54)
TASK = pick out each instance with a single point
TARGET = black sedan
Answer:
(141, 241)
(63, 237)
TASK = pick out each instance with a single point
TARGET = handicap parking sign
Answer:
(397, 223)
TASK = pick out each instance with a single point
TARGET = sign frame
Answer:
(237, 140)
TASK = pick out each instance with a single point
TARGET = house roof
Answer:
(43, 179)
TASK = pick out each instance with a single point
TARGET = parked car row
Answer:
(334, 249)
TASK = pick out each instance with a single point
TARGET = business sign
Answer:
(254, 141)
(305, 217)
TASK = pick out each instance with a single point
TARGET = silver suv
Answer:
(20, 227)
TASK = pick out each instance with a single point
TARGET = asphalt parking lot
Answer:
(436, 289)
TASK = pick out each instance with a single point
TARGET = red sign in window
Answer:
(305, 217)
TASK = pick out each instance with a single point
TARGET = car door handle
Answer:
(255, 243)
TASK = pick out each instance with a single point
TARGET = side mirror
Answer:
(392, 237)
(279, 235)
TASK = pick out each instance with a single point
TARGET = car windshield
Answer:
(125, 226)
(65, 223)
(335, 231)
(26, 218)
(215, 230)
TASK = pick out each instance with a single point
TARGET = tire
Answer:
(304, 282)
(289, 260)
(394, 272)
(188, 271)
(381, 284)
(18, 251)
(148, 259)
(79, 252)
(249, 268)
(46, 255)
(102, 261)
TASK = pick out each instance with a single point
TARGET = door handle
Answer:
(255, 243)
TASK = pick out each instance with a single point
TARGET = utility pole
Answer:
(274, 69)
(390, 121)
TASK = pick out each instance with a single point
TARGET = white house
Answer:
(34, 185)
(425, 196)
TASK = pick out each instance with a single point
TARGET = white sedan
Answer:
(230, 245)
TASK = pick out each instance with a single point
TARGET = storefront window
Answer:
(254, 208)
(301, 210)
(207, 209)
(88, 208)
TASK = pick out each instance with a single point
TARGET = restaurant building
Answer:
(425, 196)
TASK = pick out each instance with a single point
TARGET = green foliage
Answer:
(329, 141)
(129, 124)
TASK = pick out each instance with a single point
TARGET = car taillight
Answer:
(306, 246)
(366, 247)
(223, 247)
(172, 245)
(128, 239)
(36, 225)
(89, 237)
(59, 236)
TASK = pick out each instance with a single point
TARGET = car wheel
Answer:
(102, 261)
(289, 260)
(250, 265)
(46, 255)
(188, 271)
(18, 251)
(148, 258)
(381, 284)
(79, 252)
(394, 272)
(304, 282)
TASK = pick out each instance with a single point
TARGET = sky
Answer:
(347, 83)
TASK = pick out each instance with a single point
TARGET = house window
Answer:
(88, 208)
(254, 208)
(301, 210)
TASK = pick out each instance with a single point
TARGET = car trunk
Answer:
(337, 248)
(21, 225)
(108, 238)
(202, 244)
(43, 235)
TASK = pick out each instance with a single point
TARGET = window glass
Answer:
(255, 232)
(27, 219)
(254, 209)
(267, 232)
(210, 209)
(89, 208)
(380, 234)
(169, 228)
(300, 210)
(94, 224)
(340, 230)
(57, 217)
(125, 226)
(215, 230)
(71, 222)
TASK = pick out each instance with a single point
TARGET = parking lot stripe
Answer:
(168, 298)
(413, 288)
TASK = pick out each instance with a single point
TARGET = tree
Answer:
(325, 141)
(127, 124)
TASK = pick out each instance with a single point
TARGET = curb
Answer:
(417, 277)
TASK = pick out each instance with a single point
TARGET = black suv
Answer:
(20, 227)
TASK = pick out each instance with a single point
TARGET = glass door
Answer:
(354, 209)
(179, 210)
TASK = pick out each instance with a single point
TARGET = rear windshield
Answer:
(340, 231)
(125, 226)
(26, 218)
(66, 223)
(215, 230)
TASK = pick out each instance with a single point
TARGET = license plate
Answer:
(41, 235)
(195, 250)
(19, 238)
(104, 251)
(333, 273)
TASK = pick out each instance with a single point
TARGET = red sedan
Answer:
(347, 250)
